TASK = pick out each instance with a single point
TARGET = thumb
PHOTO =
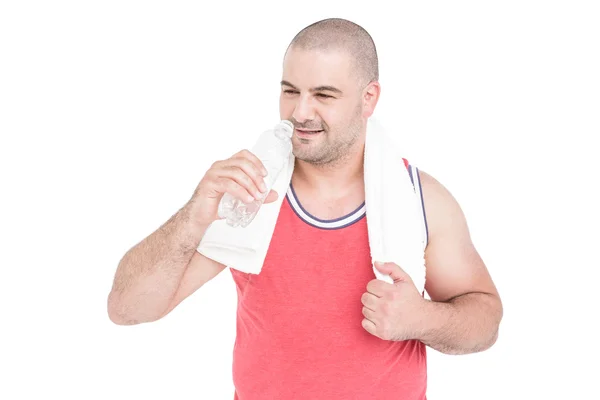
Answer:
(271, 197)
(393, 270)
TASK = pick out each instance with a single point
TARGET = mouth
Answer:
(307, 133)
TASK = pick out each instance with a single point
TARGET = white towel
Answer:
(394, 216)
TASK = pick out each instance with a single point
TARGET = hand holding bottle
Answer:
(241, 175)
(273, 149)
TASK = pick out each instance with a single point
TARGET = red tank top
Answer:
(299, 333)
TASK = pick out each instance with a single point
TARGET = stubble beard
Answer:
(327, 152)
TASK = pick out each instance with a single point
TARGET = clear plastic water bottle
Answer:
(273, 149)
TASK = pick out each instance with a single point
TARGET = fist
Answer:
(392, 311)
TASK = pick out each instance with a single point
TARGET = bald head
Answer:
(336, 34)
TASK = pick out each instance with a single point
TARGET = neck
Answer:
(332, 177)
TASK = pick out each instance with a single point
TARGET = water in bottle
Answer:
(273, 150)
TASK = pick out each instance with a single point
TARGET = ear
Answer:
(370, 98)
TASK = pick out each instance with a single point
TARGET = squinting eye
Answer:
(325, 96)
(290, 91)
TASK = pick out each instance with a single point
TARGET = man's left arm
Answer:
(464, 313)
(465, 310)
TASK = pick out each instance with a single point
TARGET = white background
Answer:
(111, 112)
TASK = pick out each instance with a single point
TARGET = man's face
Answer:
(322, 97)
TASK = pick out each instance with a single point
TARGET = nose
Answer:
(304, 110)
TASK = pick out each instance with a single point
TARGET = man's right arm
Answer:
(149, 275)
(158, 273)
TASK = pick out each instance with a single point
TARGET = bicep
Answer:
(454, 266)
(199, 271)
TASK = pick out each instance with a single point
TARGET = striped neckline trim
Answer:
(310, 219)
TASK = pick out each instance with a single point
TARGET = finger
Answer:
(369, 300)
(369, 326)
(369, 314)
(377, 287)
(252, 158)
(393, 270)
(253, 171)
(242, 179)
(227, 185)
(271, 197)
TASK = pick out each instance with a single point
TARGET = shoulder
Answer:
(441, 207)
(453, 264)
(441, 212)
(433, 189)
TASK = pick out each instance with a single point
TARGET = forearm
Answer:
(149, 274)
(465, 324)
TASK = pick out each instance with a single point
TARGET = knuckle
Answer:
(233, 186)
(212, 176)
(245, 153)
(215, 164)
(251, 168)
(245, 179)
(244, 167)
(256, 169)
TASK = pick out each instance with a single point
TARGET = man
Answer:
(315, 323)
